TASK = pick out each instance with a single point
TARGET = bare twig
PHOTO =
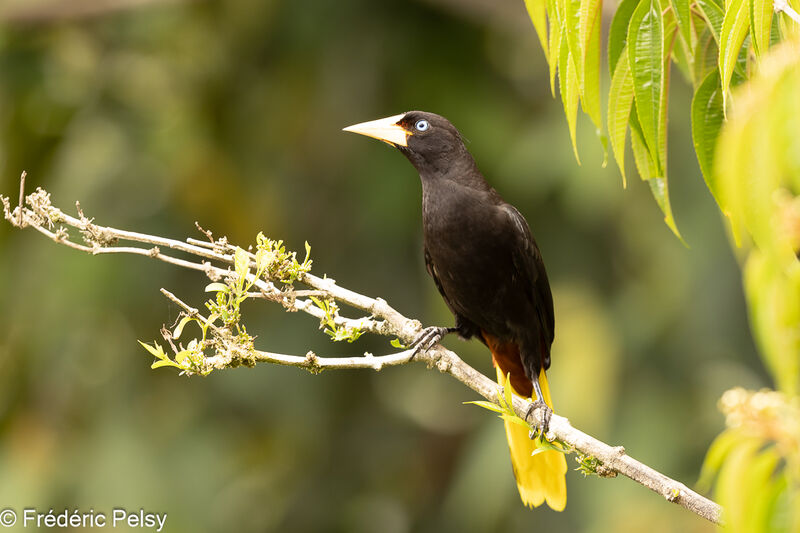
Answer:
(21, 195)
(382, 319)
(782, 6)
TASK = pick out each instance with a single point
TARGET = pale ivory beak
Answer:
(384, 129)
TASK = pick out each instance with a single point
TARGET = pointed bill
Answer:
(384, 129)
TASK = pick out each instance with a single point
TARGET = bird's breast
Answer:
(470, 249)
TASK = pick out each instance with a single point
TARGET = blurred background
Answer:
(156, 114)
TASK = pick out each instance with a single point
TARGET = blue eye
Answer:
(422, 125)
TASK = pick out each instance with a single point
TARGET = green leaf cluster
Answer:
(228, 336)
(223, 335)
(587, 465)
(328, 322)
(755, 464)
(756, 182)
(230, 295)
(715, 45)
(278, 264)
(190, 359)
(569, 31)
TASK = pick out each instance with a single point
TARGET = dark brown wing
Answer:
(431, 268)
(466, 329)
(529, 266)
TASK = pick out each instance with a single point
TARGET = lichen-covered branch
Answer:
(269, 272)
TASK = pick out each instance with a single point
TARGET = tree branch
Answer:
(216, 257)
(782, 6)
(29, 13)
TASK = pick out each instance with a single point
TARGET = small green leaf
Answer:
(211, 319)
(713, 15)
(177, 333)
(589, 80)
(537, 11)
(164, 362)
(670, 32)
(397, 344)
(716, 455)
(514, 419)
(735, 26)
(705, 56)
(707, 116)
(645, 57)
(241, 262)
(217, 287)
(156, 350)
(683, 58)
(509, 397)
(620, 101)
(618, 34)
(263, 259)
(658, 186)
(761, 25)
(732, 479)
(487, 405)
(683, 16)
(181, 355)
(568, 83)
(555, 42)
(641, 155)
(543, 444)
(572, 31)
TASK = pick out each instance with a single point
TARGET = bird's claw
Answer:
(428, 337)
(547, 412)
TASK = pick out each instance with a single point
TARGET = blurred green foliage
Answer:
(756, 461)
(229, 113)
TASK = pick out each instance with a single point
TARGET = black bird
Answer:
(481, 254)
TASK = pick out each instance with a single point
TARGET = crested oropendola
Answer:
(481, 254)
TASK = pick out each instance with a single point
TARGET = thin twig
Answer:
(21, 194)
(783, 6)
(382, 319)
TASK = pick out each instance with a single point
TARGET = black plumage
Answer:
(479, 250)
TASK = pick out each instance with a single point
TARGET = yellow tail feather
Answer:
(541, 477)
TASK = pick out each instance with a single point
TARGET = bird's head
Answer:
(429, 141)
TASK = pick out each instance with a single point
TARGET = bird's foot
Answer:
(428, 337)
(543, 418)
